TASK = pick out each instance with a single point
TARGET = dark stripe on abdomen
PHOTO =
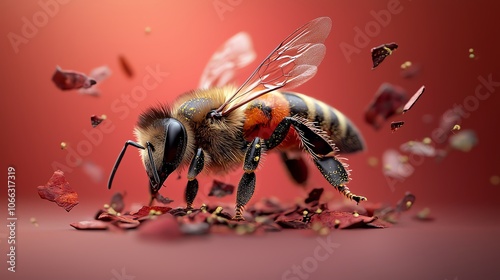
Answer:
(297, 105)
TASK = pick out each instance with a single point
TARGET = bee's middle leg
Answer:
(246, 187)
(192, 186)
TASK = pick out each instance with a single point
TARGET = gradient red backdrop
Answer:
(82, 35)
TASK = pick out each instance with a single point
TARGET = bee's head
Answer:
(162, 143)
(165, 144)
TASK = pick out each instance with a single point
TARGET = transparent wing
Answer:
(237, 52)
(292, 63)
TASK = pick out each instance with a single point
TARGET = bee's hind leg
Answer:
(322, 151)
(246, 187)
(192, 186)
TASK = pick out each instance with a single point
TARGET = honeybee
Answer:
(219, 129)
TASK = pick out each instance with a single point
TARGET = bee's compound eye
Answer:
(175, 145)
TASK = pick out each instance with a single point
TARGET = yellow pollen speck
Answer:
(406, 65)
(63, 145)
(355, 214)
(427, 140)
(318, 211)
(337, 222)
(372, 161)
(257, 146)
(104, 117)
(324, 231)
(471, 55)
(456, 127)
(256, 158)
(408, 204)
(471, 50)
(403, 159)
(192, 109)
(305, 212)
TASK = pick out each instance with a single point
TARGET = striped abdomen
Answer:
(264, 114)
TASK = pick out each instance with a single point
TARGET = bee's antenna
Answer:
(151, 148)
(119, 159)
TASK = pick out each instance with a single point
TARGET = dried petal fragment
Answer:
(67, 80)
(117, 202)
(147, 210)
(405, 203)
(314, 196)
(343, 220)
(381, 52)
(418, 148)
(90, 225)
(162, 199)
(464, 140)
(395, 166)
(220, 189)
(396, 125)
(413, 99)
(59, 191)
(96, 120)
(125, 65)
(387, 102)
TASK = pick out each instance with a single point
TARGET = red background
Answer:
(85, 34)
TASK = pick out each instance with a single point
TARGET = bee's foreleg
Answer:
(246, 187)
(194, 169)
(321, 150)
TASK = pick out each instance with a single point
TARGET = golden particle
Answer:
(424, 213)
(104, 117)
(495, 180)
(337, 222)
(456, 127)
(406, 65)
(408, 204)
(471, 55)
(403, 159)
(324, 231)
(471, 50)
(63, 145)
(372, 161)
(318, 211)
(305, 212)
(427, 140)
(355, 214)
(256, 158)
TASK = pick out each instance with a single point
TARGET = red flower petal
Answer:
(146, 210)
(387, 102)
(220, 189)
(67, 80)
(59, 191)
(90, 225)
(413, 99)
(344, 220)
